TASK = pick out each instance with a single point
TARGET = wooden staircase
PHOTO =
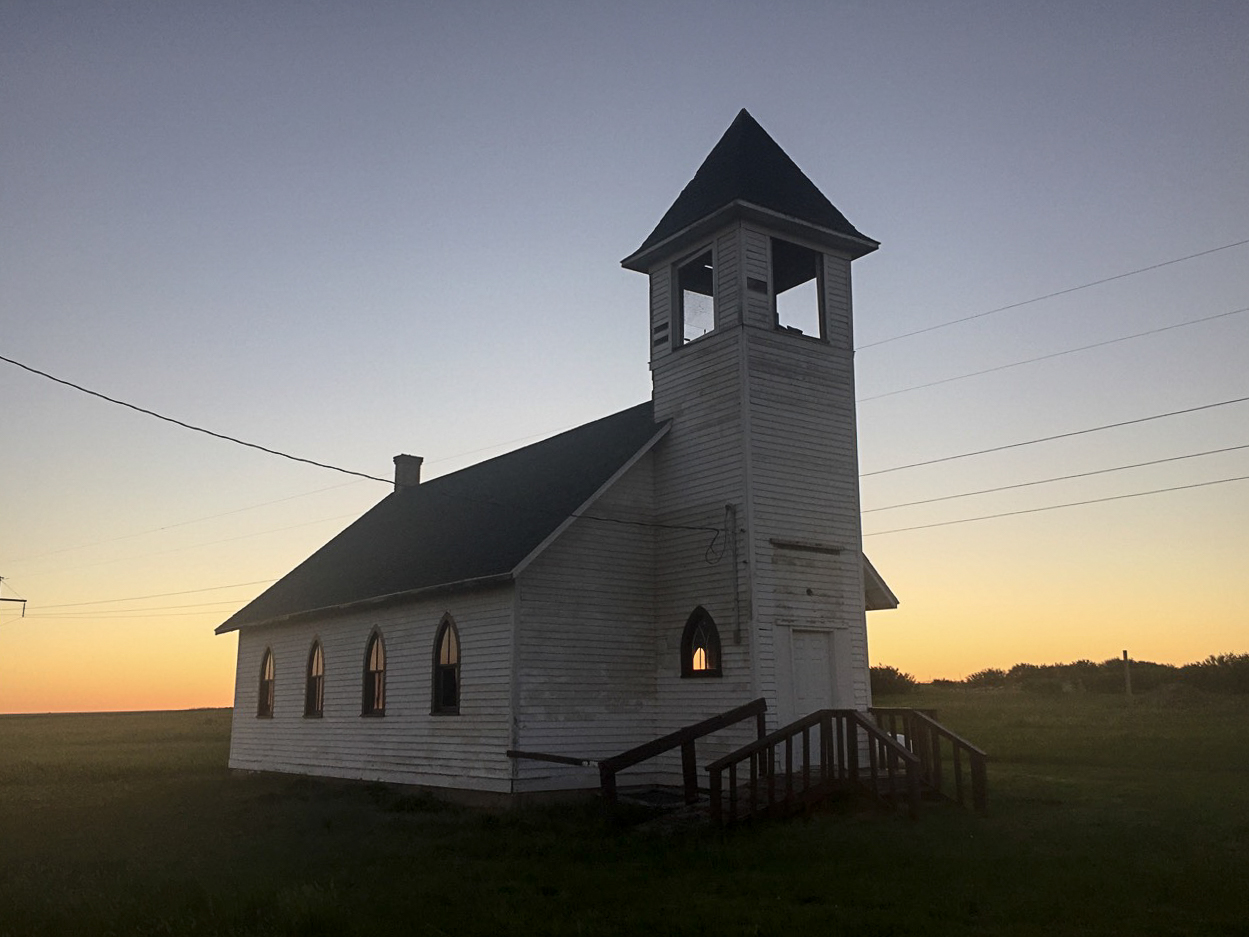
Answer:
(831, 751)
(894, 756)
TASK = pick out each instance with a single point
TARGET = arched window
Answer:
(314, 687)
(264, 704)
(447, 667)
(700, 646)
(374, 677)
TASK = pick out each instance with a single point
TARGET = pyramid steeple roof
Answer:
(747, 170)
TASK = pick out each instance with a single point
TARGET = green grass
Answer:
(1104, 818)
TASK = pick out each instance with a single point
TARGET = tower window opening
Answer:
(797, 280)
(695, 291)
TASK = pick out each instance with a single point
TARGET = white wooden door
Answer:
(812, 654)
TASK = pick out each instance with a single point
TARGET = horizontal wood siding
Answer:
(586, 639)
(699, 469)
(728, 284)
(804, 485)
(757, 264)
(408, 744)
(663, 318)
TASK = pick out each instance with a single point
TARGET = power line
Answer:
(1033, 442)
(284, 455)
(499, 445)
(1063, 292)
(82, 619)
(190, 426)
(206, 543)
(1056, 354)
(163, 595)
(216, 607)
(195, 520)
(1055, 507)
(1056, 478)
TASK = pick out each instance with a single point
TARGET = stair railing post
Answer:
(912, 789)
(761, 729)
(689, 769)
(979, 782)
(852, 748)
(716, 816)
(607, 783)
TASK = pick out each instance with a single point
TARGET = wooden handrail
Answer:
(684, 739)
(557, 759)
(766, 741)
(924, 734)
(844, 735)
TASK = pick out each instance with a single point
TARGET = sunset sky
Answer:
(349, 230)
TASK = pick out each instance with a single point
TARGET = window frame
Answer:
(373, 690)
(440, 671)
(314, 683)
(677, 316)
(700, 619)
(265, 694)
(820, 311)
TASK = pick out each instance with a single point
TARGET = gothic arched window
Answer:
(447, 667)
(374, 677)
(314, 688)
(700, 646)
(264, 704)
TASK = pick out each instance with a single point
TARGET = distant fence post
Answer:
(1127, 674)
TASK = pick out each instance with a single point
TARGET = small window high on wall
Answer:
(696, 304)
(797, 282)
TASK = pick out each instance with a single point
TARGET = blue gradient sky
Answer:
(351, 230)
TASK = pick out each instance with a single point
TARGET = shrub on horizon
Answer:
(987, 678)
(888, 680)
(1219, 673)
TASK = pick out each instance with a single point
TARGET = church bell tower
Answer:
(752, 361)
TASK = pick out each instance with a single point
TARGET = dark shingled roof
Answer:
(748, 166)
(473, 524)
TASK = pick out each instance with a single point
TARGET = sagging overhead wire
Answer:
(1055, 507)
(1062, 292)
(193, 427)
(194, 520)
(163, 595)
(1055, 354)
(1041, 439)
(1054, 478)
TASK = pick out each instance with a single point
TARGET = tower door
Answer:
(812, 655)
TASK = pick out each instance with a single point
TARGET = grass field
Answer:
(1104, 818)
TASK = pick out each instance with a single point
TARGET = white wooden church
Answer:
(611, 584)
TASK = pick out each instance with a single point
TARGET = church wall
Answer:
(699, 469)
(408, 744)
(804, 480)
(586, 639)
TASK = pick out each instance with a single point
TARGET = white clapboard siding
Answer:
(408, 744)
(700, 467)
(804, 481)
(765, 420)
(586, 659)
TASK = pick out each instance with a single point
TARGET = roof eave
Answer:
(644, 258)
(393, 598)
(875, 583)
(568, 521)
